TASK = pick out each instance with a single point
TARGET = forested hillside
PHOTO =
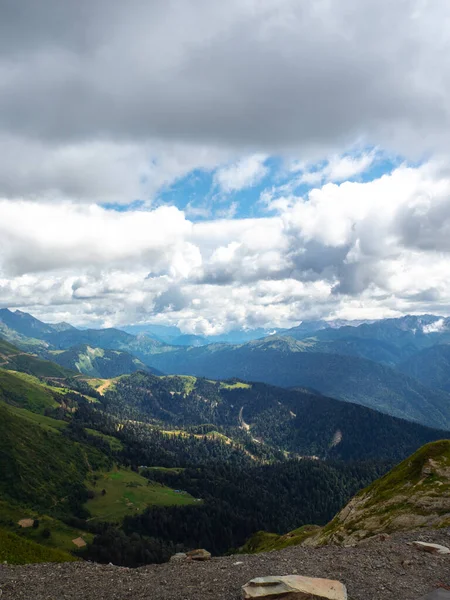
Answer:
(297, 421)
(282, 362)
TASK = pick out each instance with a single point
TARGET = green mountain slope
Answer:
(97, 362)
(414, 494)
(25, 393)
(40, 467)
(15, 550)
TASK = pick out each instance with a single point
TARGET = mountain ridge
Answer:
(345, 368)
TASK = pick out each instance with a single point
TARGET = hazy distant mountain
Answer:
(431, 366)
(190, 340)
(407, 334)
(174, 335)
(164, 333)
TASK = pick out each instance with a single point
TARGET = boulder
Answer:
(294, 587)
(432, 548)
(178, 557)
(199, 554)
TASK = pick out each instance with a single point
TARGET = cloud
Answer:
(97, 171)
(102, 87)
(345, 167)
(355, 249)
(43, 237)
(106, 103)
(336, 168)
(245, 173)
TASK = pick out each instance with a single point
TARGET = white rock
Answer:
(294, 587)
(433, 548)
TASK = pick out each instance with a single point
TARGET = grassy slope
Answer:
(41, 468)
(128, 493)
(18, 390)
(262, 541)
(415, 493)
(61, 535)
(19, 551)
(98, 362)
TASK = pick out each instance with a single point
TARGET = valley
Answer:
(118, 460)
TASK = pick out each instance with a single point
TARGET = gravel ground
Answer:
(377, 570)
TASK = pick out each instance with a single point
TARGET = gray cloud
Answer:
(244, 74)
(109, 101)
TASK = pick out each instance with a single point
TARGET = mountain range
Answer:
(98, 447)
(396, 366)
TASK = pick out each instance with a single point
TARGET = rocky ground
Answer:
(373, 570)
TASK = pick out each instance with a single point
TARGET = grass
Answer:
(61, 535)
(401, 493)
(188, 381)
(39, 467)
(84, 362)
(25, 391)
(128, 493)
(47, 423)
(176, 470)
(236, 385)
(266, 542)
(409, 473)
(16, 550)
(115, 444)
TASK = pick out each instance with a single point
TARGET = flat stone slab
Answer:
(432, 548)
(437, 595)
(294, 587)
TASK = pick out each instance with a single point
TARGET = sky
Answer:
(224, 165)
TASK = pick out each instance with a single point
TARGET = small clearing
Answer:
(104, 386)
(123, 492)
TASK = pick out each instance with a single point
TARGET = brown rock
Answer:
(199, 554)
(295, 587)
(178, 557)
